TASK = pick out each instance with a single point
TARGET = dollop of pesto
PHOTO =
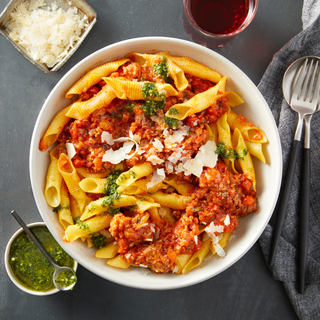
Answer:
(229, 153)
(161, 69)
(171, 123)
(149, 90)
(173, 111)
(29, 265)
(110, 187)
(150, 107)
(98, 240)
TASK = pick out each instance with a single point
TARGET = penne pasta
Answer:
(173, 200)
(65, 217)
(194, 68)
(255, 149)
(118, 262)
(181, 261)
(108, 252)
(93, 185)
(53, 183)
(82, 109)
(249, 132)
(213, 136)
(233, 99)
(143, 205)
(84, 228)
(197, 257)
(244, 156)
(55, 128)
(222, 242)
(125, 89)
(94, 76)
(158, 62)
(166, 215)
(224, 136)
(183, 187)
(72, 180)
(129, 177)
(199, 102)
(107, 203)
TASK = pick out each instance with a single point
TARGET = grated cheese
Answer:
(220, 252)
(46, 31)
(157, 176)
(227, 220)
(71, 151)
(212, 229)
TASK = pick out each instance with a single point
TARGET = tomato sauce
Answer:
(217, 194)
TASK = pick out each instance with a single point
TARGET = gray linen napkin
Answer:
(307, 305)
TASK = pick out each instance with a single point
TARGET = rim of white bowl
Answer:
(78, 69)
(10, 272)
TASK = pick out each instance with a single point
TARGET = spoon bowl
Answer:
(64, 278)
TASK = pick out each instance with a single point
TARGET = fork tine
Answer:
(300, 77)
(317, 87)
(306, 82)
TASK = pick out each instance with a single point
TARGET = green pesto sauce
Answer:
(65, 279)
(171, 123)
(149, 90)
(173, 111)
(29, 265)
(161, 69)
(229, 153)
(110, 186)
(150, 107)
(98, 240)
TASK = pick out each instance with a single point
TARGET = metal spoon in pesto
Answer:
(61, 275)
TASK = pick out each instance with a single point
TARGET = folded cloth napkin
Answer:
(306, 43)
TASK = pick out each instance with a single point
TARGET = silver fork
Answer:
(304, 100)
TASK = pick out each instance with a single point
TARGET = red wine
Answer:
(219, 16)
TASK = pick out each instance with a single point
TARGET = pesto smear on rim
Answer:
(29, 265)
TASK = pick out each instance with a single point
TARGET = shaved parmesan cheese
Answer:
(122, 153)
(155, 159)
(196, 239)
(46, 32)
(119, 155)
(176, 269)
(212, 229)
(232, 236)
(177, 136)
(105, 233)
(107, 137)
(162, 212)
(169, 167)
(157, 176)
(220, 252)
(207, 154)
(193, 166)
(158, 145)
(71, 151)
(227, 220)
(152, 225)
(175, 156)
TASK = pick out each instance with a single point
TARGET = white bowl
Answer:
(268, 175)
(9, 270)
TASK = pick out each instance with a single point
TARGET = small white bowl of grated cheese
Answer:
(47, 32)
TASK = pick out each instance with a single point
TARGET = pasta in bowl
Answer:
(153, 163)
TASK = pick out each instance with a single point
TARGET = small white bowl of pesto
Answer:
(27, 267)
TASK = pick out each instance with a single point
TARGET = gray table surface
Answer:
(244, 291)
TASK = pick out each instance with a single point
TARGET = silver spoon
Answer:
(289, 81)
(58, 271)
